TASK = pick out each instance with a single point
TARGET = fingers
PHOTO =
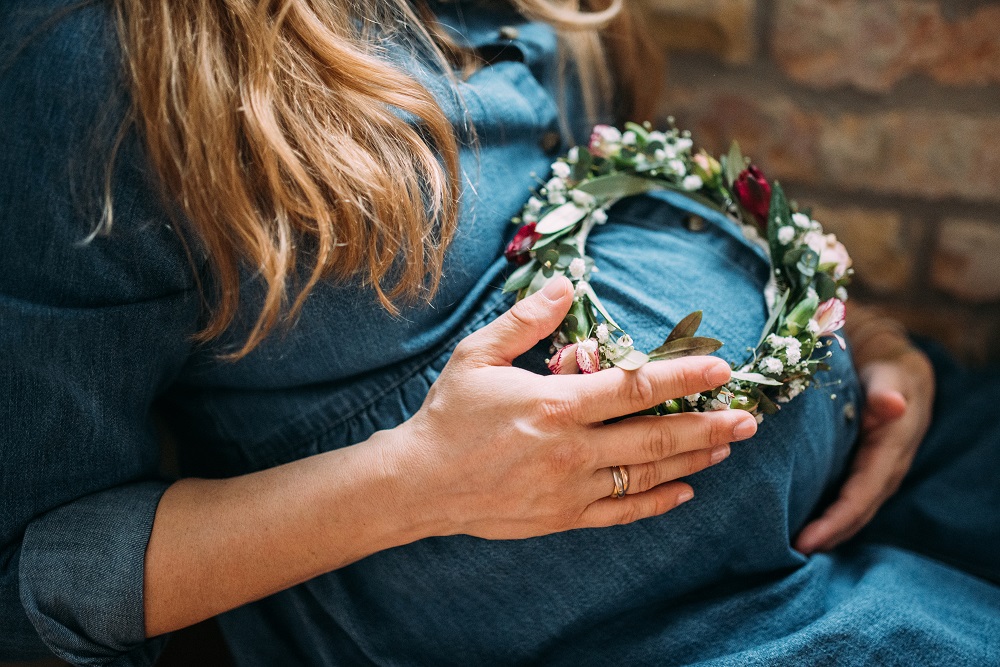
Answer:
(646, 476)
(877, 473)
(631, 508)
(883, 406)
(644, 439)
(613, 392)
(520, 328)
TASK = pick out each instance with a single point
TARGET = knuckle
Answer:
(642, 477)
(556, 408)
(719, 429)
(463, 351)
(659, 443)
(640, 389)
(630, 513)
(691, 378)
(522, 315)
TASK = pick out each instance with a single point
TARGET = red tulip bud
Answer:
(754, 193)
(517, 249)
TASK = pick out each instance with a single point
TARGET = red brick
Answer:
(872, 44)
(725, 28)
(967, 260)
(929, 154)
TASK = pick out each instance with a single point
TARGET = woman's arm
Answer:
(899, 385)
(495, 452)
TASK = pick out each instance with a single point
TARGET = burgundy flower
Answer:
(754, 193)
(517, 249)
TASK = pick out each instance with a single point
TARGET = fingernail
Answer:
(719, 453)
(554, 289)
(685, 496)
(746, 428)
(718, 374)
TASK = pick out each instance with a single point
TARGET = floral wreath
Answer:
(805, 295)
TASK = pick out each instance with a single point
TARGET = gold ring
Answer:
(621, 481)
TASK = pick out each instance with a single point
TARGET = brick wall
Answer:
(884, 115)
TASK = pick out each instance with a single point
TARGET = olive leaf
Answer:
(560, 218)
(686, 327)
(756, 378)
(768, 406)
(631, 361)
(735, 164)
(616, 185)
(685, 347)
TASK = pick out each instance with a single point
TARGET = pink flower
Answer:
(518, 249)
(830, 251)
(829, 319)
(574, 358)
(605, 141)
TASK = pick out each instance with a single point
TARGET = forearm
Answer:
(218, 544)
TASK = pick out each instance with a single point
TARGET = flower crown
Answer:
(805, 295)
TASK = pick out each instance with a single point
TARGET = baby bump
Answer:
(477, 600)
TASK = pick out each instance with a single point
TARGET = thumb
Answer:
(527, 322)
(885, 402)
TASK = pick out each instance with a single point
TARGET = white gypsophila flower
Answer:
(625, 341)
(677, 167)
(759, 417)
(602, 333)
(557, 197)
(584, 199)
(577, 268)
(659, 155)
(573, 156)
(692, 182)
(657, 136)
(801, 220)
(771, 365)
(600, 216)
(628, 138)
(529, 217)
(581, 289)
(794, 353)
(786, 235)
(683, 145)
(535, 205)
(692, 399)
(777, 342)
(556, 183)
(811, 293)
(561, 170)
(715, 405)
(842, 293)
(812, 327)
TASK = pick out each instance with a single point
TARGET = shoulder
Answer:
(61, 80)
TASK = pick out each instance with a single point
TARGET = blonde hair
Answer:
(276, 126)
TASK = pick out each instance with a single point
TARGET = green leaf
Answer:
(756, 378)
(735, 164)
(766, 404)
(685, 347)
(584, 162)
(639, 130)
(779, 211)
(549, 256)
(592, 295)
(776, 314)
(616, 185)
(560, 218)
(632, 361)
(521, 277)
(826, 287)
(686, 327)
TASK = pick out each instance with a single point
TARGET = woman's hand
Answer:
(504, 453)
(899, 383)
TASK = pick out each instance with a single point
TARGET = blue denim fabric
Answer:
(95, 337)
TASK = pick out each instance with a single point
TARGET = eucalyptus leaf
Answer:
(735, 163)
(632, 361)
(616, 185)
(521, 277)
(686, 328)
(826, 288)
(584, 162)
(756, 378)
(560, 218)
(685, 347)
(766, 404)
(776, 315)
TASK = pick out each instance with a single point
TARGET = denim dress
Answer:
(96, 338)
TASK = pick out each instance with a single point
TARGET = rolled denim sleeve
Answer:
(91, 335)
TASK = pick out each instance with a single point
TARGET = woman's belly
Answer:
(463, 600)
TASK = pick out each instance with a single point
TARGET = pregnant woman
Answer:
(275, 230)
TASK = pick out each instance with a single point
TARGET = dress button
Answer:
(850, 412)
(509, 32)
(550, 142)
(694, 223)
